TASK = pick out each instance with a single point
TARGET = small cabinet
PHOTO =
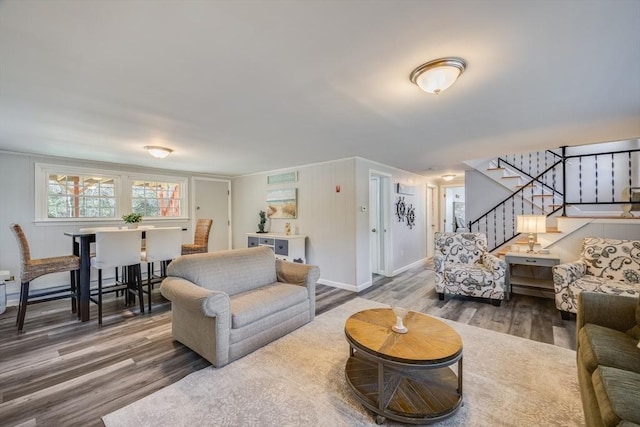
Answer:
(288, 248)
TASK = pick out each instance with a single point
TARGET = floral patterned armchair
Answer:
(464, 266)
(606, 265)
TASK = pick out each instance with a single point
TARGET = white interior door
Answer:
(212, 200)
(432, 219)
(379, 203)
(374, 225)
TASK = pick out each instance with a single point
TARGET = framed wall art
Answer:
(282, 203)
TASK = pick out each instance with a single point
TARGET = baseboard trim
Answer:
(418, 263)
(346, 286)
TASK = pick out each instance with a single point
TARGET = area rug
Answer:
(299, 380)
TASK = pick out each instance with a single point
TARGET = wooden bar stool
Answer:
(201, 238)
(31, 269)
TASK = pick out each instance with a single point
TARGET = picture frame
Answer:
(283, 178)
(405, 189)
(282, 203)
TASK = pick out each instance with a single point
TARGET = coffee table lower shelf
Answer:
(411, 394)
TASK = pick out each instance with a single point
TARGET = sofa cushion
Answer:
(598, 284)
(612, 259)
(598, 346)
(251, 306)
(617, 393)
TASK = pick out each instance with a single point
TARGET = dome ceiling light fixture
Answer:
(157, 151)
(437, 75)
(448, 177)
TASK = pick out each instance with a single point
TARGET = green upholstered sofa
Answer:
(227, 304)
(608, 358)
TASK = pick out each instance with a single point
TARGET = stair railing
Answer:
(605, 178)
(499, 222)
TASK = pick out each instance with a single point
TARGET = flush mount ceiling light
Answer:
(437, 75)
(448, 177)
(157, 151)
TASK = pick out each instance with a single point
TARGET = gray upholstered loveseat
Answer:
(608, 329)
(227, 304)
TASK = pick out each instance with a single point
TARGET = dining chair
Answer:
(31, 269)
(201, 238)
(162, 245)
(118, 248)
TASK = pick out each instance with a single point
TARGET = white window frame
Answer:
(123, 194)
(184, 187)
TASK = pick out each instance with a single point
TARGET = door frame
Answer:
(193, 205)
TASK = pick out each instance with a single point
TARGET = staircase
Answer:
(538, 183)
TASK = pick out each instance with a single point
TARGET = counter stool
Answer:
(31, 269)
(201, 238)
(162, 245)
(119, 248)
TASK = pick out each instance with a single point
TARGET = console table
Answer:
(288, 248)
(538, 281)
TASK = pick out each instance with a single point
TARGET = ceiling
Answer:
(248, 86)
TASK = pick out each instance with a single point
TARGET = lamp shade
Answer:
(531, 223)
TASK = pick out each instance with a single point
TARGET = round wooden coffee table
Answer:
(404, 377)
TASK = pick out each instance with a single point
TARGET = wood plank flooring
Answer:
(61, 372)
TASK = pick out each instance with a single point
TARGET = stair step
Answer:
(525, 186)
(542, 195)
(495, 168)
(511, 176)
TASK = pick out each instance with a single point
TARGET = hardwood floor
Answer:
(64, 373)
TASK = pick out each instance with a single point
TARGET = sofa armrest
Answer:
(200, 318)
(195, 298)
(608, 310)
(300, 274)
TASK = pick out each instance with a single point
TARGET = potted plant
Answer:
(263, 220)
(132, 219)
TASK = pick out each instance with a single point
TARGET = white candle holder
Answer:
(400, 313)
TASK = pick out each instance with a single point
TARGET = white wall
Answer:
(337, 229)
(17, 202)
(482, 193)
(568, 248)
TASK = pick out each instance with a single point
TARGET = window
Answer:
(155, 198)
(71, 193)
(77, 196)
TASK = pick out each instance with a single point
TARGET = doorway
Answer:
(432, 219)
(379, 190)
(212, 200)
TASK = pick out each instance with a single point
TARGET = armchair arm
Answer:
(563, 276)
(302, 275)
(498, 267)
(438, 268)
(609, 310)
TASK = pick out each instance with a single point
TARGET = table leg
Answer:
(85, 277)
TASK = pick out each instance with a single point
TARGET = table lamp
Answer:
(532, 224)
